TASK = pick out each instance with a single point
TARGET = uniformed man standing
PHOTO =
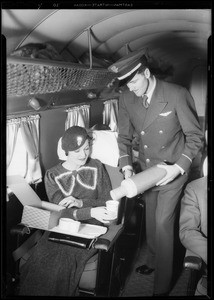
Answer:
(164, 116)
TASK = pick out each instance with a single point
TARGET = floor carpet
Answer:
(142, 286)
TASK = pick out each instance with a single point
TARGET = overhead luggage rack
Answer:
(27, 76)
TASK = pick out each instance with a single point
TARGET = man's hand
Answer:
(128, 173)
(172, 171)
(71, 202)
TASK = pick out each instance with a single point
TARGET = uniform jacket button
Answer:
(142, 132)
(147, 160)
(145, 146)
(160, 131)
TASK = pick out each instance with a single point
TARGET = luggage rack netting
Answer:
(26, 76)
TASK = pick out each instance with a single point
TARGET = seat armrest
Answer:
(106, 241)
(192, 262)
(20, 230)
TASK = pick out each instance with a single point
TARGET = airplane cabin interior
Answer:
(56, 61)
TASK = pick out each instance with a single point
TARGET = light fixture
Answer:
(91, 95)
(34, 103)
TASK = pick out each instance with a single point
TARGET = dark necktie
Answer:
(145, 101)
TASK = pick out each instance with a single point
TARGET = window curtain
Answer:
(29, 127)
(110, 114)
(12, 131)
(78, 116)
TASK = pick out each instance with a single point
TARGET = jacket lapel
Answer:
(156, 106)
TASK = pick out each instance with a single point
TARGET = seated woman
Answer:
(82, 185)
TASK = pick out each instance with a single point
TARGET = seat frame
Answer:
(193, 266)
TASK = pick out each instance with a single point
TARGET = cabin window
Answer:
(18, 164)
(110, 114)
(23, 148)
(78, 116)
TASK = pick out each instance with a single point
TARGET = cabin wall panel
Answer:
(96, 113)
(52, 126)
(198, 88)
(16, 104)
(12, 217)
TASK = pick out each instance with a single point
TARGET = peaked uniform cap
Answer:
(128, 64)
(73, 138)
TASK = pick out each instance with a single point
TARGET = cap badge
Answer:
(79, 140)
(114, 69)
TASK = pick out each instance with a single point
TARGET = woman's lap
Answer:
(53, 269)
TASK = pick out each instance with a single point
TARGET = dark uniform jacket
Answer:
(169, 129)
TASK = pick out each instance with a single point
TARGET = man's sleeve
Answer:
(188, 119)
(190, 224)
(125, 135)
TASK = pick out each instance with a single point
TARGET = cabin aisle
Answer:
(138, 285)
(142, 286)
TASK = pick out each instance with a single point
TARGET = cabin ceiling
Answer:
(175, 36)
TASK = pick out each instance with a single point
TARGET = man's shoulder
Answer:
(127, 93)
(171, 85)
(198, 184)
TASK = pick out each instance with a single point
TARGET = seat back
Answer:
(205, 166)
(115, 175)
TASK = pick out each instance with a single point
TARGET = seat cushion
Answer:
(89, 275)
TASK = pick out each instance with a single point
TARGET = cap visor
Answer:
(127, 79)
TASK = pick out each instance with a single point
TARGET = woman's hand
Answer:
(100, 213)
(71, 202)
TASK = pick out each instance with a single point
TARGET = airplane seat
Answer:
(193, 264)
(26, 238)
(102, 272)
(90, 281)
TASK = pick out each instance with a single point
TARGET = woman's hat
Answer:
(73, 138)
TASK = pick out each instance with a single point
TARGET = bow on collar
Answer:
(85, 176)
